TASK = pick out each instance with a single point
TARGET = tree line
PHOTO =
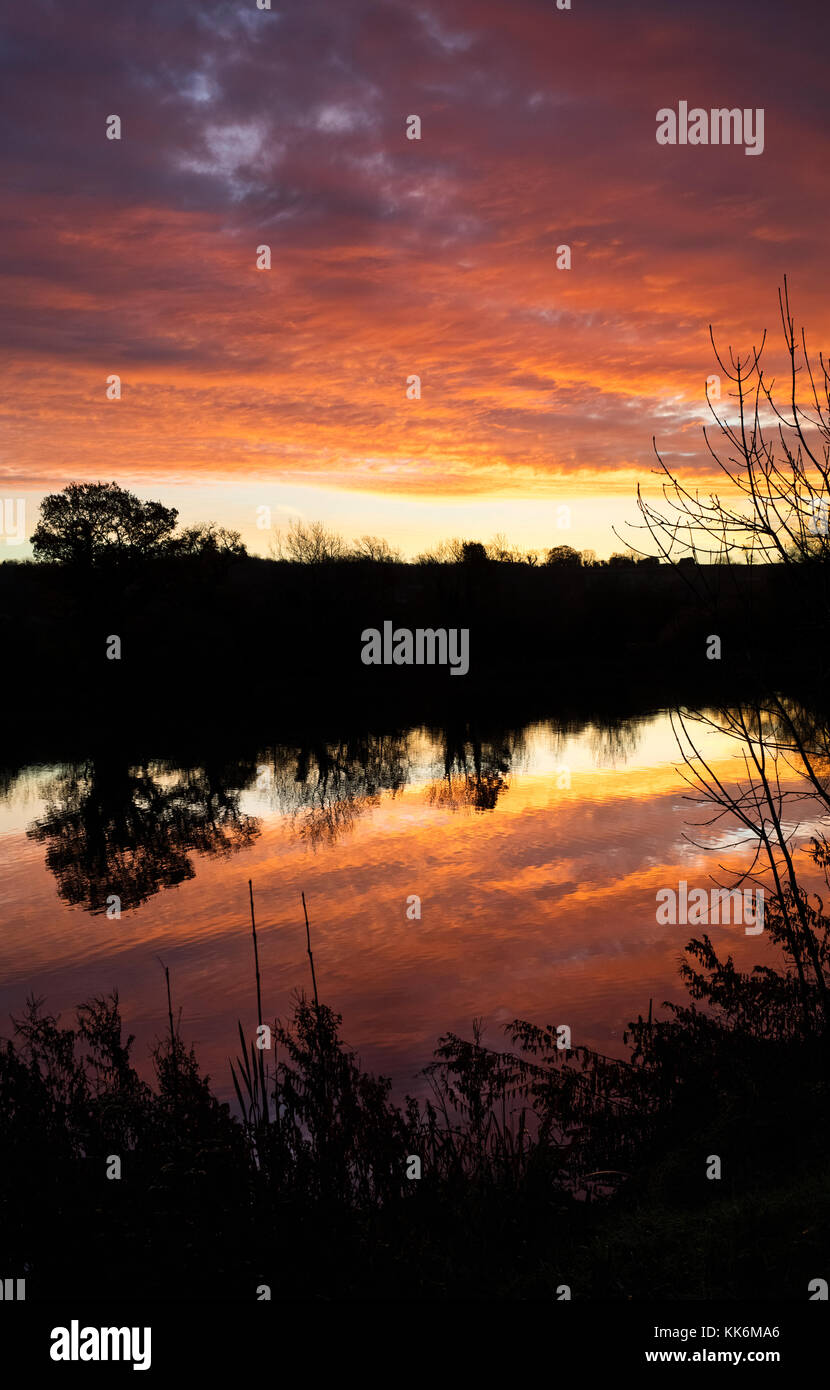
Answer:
(88, 525)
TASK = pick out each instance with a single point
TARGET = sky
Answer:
(245, 388)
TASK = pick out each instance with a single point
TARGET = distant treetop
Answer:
(89, 524)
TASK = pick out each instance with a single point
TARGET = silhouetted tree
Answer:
(206, 538)
(89, 523)
(473, 553)
(563, 555)
(777, 465)
(376, 549)
(309, 543)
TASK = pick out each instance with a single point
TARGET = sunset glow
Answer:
(392, 257)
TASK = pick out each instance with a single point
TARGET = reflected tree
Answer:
(475, 772)
(614, 742)
(782, 776)
(110, 829)
(326, 787)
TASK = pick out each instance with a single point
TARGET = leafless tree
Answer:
(377, 549)
(308, 543)
(773, 449)
(772, 446)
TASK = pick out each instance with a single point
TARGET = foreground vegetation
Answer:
(539, 1167)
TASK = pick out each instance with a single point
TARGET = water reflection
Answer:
(614, 742)
(475, 773)
(323, 788)
(110, 828)
(115, 830)
(536, 863)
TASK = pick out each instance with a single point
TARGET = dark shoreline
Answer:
(262, 645)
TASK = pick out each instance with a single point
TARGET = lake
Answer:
(536, 855)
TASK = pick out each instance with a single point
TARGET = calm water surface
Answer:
(536, 859)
